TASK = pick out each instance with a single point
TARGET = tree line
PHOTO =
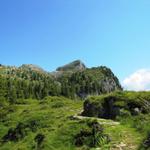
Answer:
(26, 83)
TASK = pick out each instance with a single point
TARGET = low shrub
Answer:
(15, 134)
(39, 140)
(93, 136)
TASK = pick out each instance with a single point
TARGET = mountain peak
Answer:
(73, 66)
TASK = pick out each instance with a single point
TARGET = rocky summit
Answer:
(76, 65)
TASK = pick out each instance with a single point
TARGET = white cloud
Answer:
(138, 81)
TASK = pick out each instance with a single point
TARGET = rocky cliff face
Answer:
(81, 81)
(117, 104)
(106, 109)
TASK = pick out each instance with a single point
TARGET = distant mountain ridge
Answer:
(73, 80)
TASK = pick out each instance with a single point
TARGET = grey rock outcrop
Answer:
(73, 66)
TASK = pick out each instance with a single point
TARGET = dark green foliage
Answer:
(39, 140)
(20, 131)
(15, 134)
(33, 125)
(146, 143)
(93, 136)
(26, 83)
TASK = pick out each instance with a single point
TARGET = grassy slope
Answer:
(53, 119)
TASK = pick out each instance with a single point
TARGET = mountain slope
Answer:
(49, 124)
(91, 81)
(73, 81)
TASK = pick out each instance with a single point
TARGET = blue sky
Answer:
(49, 33)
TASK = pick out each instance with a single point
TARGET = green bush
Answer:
(39, 140)
(15, 134)
(93, 136)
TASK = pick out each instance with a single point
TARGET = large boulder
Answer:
(106, 109)
(116, 104)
